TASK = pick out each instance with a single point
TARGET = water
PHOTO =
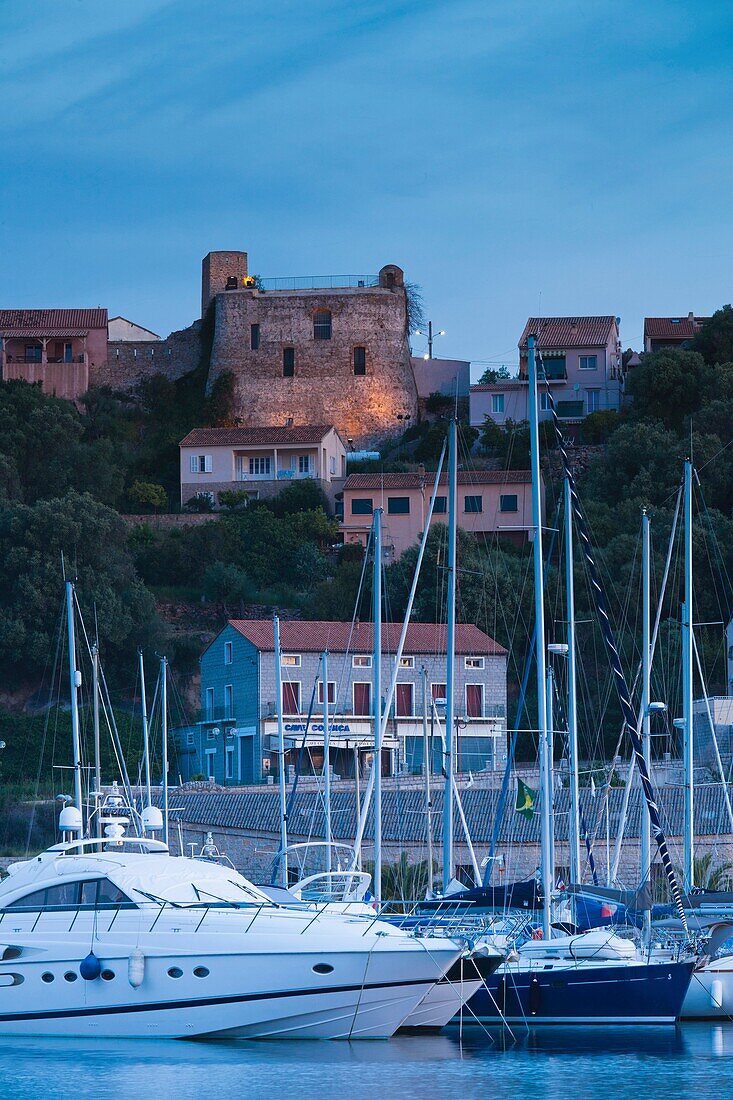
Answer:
(690, 1061)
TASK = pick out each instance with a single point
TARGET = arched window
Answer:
(322, 325)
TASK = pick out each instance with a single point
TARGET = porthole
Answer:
(201, 972)
(107, 975)
(323, 968)
(70, 976)
(175, 972)
(47, 977)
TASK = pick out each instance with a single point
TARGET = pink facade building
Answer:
(60, 348)
(671, 332)
(489, 502)
(579, 360)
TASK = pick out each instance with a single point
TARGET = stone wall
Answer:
(324, 388)
(131, 361)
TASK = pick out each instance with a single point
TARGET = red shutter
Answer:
(362, 698)
(291, 698)
(404, 700)
(474, 700)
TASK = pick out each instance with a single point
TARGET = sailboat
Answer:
(594, 977)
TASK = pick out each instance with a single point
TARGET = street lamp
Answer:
(431, 336)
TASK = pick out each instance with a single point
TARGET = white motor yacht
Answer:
(120, 938)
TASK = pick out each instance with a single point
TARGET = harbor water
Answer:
(689, 1061)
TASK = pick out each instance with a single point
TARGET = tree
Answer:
(227, 586)
(668, 385)
(493, 374)
(300, 496)
(149, 495)
(598, 426)
(714, 341)
(92, 542)
(233, 499)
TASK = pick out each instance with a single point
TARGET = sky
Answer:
(515, 157)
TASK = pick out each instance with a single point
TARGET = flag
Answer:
(526, 798)
(592, 787)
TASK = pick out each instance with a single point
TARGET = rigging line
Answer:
(716, 455)
(620, 679)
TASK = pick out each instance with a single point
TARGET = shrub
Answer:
(233, 499)
(201, 502)
(148, 494)
(598, 426)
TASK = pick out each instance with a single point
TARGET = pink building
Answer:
(671, 332)
(57, 347)
(579, 360)
(489, 502)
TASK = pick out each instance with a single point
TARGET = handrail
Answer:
(114, 842)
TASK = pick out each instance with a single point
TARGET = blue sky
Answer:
(514, 156)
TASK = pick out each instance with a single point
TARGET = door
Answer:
(474, 700)
(404, 700)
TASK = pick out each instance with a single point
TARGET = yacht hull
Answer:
(451, 994)
(710, 995)
(585, 994)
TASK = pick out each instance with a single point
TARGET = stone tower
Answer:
(218, 270)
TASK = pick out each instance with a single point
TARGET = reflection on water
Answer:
(630, 1063)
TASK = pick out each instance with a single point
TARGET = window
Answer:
(359, 360)
(304, 464)
(210, 755)
(99, 893)
(473, 504)
(292, 660)
(473, 662)
(288, 362)
(497, 402)
(441, 506)
(189, 739)
(211, 735)
(362, 698)
(227, 653)
(437, 692)
(331, 692)
(588, 362)
(322, 325)
(407, 662)
(254, 337)
(332, 465)
(594, 400)
(209, 703)
(363, 507)
(572, 409)
(508, 502)
(33, 353)
(474, 700)
(398, 506)
(545, 402)
(364, 660)
(403, 700)
(228, 701)
(260, 466)
(291, 697)
(552, 367)
(200, 464)
(229, 771)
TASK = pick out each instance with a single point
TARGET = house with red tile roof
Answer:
(490, 502)
(261, 461)
(60, 348)
(235, 740)
(579, 362)
(671, 332)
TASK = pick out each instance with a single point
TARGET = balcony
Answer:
(215, 714)
(8, 358)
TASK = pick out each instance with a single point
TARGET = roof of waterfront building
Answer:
(303, 636)
(51, 322)
(418, 480)
(673, 328)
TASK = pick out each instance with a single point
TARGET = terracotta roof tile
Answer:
(672, 328)
(303, 636)
(416, 480)
(568, 332)
(242, 437)
(19, 322)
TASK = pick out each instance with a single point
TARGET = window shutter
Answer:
(193, 464)
(207, 464)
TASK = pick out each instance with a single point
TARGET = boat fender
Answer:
(534, 996)
(90, 968)
(716, 994)
(136, 968)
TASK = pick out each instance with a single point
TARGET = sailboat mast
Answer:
(646, 835)
(146, 731)
(281, 752)
(95, 712)
(164, 737)
(450, 702)
(539, 626)
(687, 688)
(74, 685)
(326, 758)
(377, 700)
(574, 831)
(427, 763)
